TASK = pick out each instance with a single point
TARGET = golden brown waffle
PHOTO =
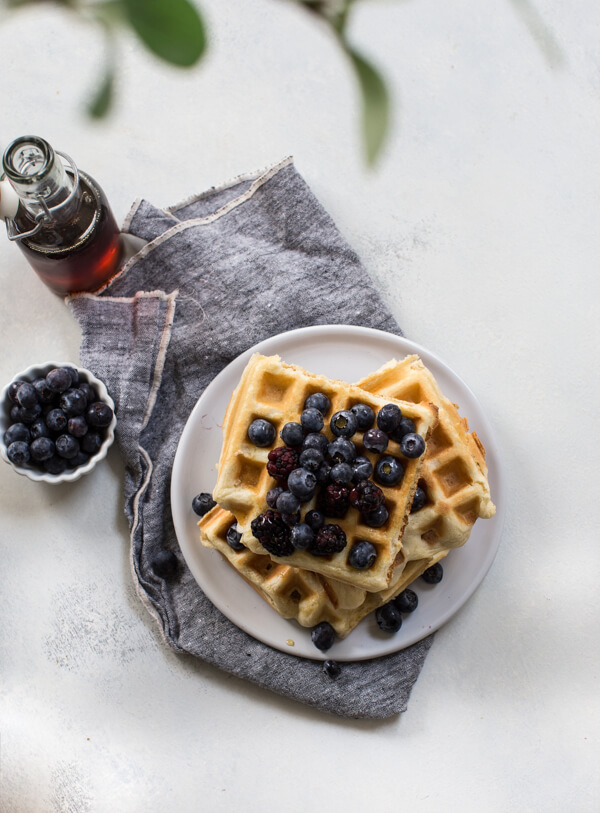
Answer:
(307, 597)
(276, 391)
(454, 472)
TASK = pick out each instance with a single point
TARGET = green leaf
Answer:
(375, 104)
(171, 29)
(101, 101)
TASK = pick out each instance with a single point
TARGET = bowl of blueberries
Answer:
(57, 421)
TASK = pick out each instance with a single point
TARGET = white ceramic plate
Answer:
(347, 353)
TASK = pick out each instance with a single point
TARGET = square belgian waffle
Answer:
(454, 472)
(298, 594)
(276, 391)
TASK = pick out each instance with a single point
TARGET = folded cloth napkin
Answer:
(220, 272)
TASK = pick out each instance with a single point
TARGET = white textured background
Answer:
(481, 224)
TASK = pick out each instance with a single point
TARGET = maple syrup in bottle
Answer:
(63, 223)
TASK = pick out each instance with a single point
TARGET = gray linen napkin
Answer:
(222, 271)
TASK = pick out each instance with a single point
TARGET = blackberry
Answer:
(407, 601)
(332, 669)
(334, 500)
(323, 636)
(419, 500)
(234, 538)
(328, 540)
(389, 617)
(433, 574)
(282, 460)
(366, 496)
(272, 533)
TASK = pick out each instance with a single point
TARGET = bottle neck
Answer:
(46, 188)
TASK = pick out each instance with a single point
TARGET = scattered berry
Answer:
(234, 538)
(316, 440)
(341, 473)
(405, 426)
(366, 496)
(341, 450)
(323, 636)
(344, 424)
(407, 601)
(165, 564)
(375, 440)
(272, 533)
(292, 434)
(311, 420)
(318, 400)
(389, 618)
(433, 574)
(412, 445)
(388, 418)
(362, 555)
(323, 474)
(362, 469)
(282, 460)
(328, 540)
(261, 432)
(419, 500)
(311, 459)
(376, 518)
(287, 503)
(334, 500)
(365, 417)
(302, 536)
(315, 519)
(388, 470)
(302, 484)
(332, 669)
(202, 503)
(273, 496)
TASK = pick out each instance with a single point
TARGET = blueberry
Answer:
(17, 431)
(375, 440)
(55, 465)
(311, 459)
(407, 601)
(302, 484)
(388, 418)
(315, 519)
(311, 420)
(39, 429)
(343, 424)
(67, 446)
(318, 400)
(26, 395)
(261, 432)
(77, 426)
(316, 440)
(291, 519)
(59, 379)
(388, 470)
(26, 415)
(74, 376)
(273, 496)
(302, 536)
(164, 564)
(292, 434)
(80, 459)
(376, 518)
(323, 636)
(419, 500)
(202, 503)
(341, 450)
(323, 474)
(99, 414)
(91, 442)
(365, 417)
(18, 453)
(42, 449)
(412, 445)
(332, 669)
(44, 393)
(405, 426)
(362, 469)
(12, 390)
(234, 538)
(288, 503)
(389, 617)
(341, 473)
(433, 574)
(88, 391)
(362, 555)
(73, 402)
(56, 420)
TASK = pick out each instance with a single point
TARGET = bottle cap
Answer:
(9, 200)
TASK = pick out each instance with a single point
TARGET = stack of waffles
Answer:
(312, 589)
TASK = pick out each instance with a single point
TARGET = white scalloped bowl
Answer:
(70, 475)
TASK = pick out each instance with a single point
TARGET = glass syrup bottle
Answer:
(63, 223)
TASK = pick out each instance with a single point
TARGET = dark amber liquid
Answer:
(81, 254)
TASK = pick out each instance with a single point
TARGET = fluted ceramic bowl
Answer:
(70, 474)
